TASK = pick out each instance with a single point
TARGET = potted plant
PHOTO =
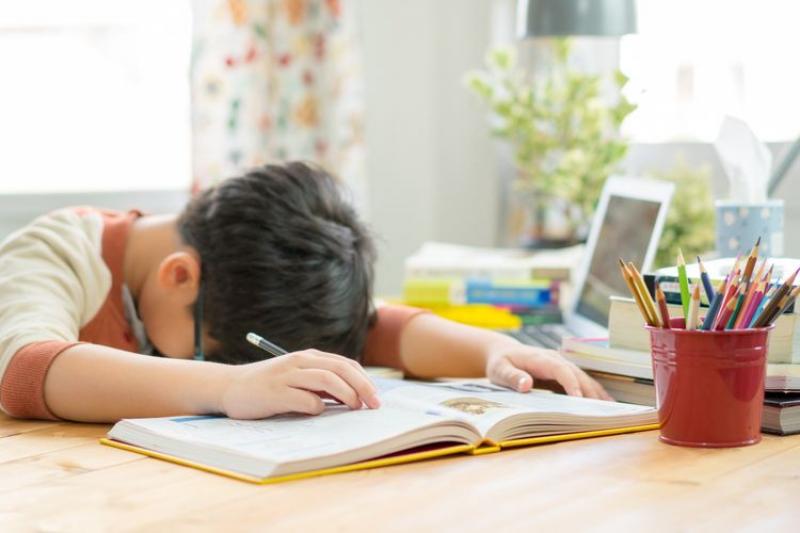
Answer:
(564, 134)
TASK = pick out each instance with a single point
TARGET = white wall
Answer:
(432, 169)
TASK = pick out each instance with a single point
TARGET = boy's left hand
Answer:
(516, 365)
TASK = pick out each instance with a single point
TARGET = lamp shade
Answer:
(555, 18)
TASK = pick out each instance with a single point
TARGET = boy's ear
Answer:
(179, 270)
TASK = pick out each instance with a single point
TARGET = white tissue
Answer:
(745, 160)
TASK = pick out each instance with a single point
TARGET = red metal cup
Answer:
(709, 384)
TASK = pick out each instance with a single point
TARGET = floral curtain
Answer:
(274, 80)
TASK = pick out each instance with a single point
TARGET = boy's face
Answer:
(166, 302)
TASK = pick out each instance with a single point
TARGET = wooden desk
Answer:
(56, 477)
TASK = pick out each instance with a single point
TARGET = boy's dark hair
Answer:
(285, 256)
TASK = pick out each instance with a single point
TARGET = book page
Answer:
(290, 438)
(484, 405)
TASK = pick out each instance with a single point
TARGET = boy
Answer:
(83, 293)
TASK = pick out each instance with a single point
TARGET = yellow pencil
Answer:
(635, 293)
(646, 299)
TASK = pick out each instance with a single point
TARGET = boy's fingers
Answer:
(302, 401)
(590, 387)
(325, 381)
(548, 365)
(506, 374)
(355, 364)
(357, 380)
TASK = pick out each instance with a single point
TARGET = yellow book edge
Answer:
(484, 448)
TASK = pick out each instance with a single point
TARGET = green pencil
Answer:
(684, 283)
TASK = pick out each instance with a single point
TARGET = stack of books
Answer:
(488, 287)
(622, 362)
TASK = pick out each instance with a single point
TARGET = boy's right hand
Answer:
(293, 383)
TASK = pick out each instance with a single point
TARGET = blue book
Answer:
(522, 294)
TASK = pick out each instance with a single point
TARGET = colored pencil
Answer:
(646, 299)
(709, 290)
(730, 296)
(694, 308)
(662, 307)
(725, 314)
(784, 304)
(769, 292)
(752, 285)
(683, 281)
(711, 315)
(774, 302)
(635, 293)
(792, 299)
(750, 307)
(751, 260)
(737, 308)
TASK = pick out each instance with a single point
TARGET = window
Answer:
(693, 62)
(94, 95)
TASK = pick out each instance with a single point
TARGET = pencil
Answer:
(769, 292)
(264, 344)
(783, 305)
(709, 290)
(750, 307)
(694, 308)
(662, 307)
(774, 302)
(752, 286)
(711, 315)
(646, 299)
(751, 261)
(737, 308)
(634, 292)
(683, 281)
(725, 314)
(730, 294)
(792, 299)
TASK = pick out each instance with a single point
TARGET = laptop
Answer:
(627, 223)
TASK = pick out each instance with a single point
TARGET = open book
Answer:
(416, 421)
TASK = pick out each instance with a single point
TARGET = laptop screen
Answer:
(625, 232)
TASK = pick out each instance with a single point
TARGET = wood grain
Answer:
(56, 477)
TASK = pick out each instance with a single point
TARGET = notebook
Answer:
(416, 421)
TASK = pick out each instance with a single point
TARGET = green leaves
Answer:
(565, 138)
(690, 220)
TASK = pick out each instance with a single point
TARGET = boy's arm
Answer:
(431, 346)
(92, 383)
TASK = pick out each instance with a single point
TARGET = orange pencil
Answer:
(662, 307)
(725, 315)
(733, 288)
(751, 261)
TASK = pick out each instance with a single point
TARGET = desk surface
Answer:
(56, 477)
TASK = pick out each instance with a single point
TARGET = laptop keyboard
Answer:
(542, 335)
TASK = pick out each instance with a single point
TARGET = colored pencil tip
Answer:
(681, 261)
(758, 242)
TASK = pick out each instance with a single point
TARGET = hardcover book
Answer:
(416, 421)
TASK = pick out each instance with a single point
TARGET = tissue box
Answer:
(740, 224)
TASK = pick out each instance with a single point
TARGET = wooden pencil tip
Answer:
(681, 261)
(758, 242)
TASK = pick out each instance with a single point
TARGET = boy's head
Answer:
(282, 254)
